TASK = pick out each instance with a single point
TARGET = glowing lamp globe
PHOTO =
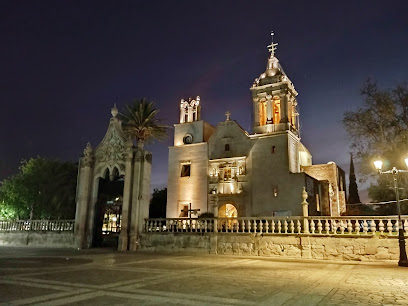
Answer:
(378, 164)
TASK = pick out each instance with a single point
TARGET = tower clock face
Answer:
(188, 139)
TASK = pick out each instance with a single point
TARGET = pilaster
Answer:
(127, 194)
(83, 195)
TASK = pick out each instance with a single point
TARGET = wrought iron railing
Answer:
(37, 225)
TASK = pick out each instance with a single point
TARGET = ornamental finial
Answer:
(114, 110)
(272, 47)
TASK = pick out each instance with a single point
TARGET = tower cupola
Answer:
(274, 98)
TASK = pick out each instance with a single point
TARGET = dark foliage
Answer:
(158, 203)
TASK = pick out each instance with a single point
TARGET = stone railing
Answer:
(37, 225)
(313, 225)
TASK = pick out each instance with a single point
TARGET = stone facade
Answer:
(369, 248)
(229, 172)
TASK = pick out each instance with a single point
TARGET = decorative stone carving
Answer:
(112, 149)
(88, 156)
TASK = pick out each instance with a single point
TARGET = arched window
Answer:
(276, 111)
(262, 112)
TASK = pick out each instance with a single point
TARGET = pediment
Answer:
(229, 132)
(113, 146)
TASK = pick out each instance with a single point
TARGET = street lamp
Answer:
(403, 261)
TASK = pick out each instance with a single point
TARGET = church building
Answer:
(230, 172)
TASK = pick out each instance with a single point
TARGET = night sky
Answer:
(63, 64)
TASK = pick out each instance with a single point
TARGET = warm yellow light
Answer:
(114, 219)
(406, 161)
(378, 164)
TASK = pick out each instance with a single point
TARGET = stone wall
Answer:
(361, 248)
(38, 239)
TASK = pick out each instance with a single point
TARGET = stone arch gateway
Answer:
(117, 154)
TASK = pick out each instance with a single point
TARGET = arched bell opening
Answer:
(108, 209)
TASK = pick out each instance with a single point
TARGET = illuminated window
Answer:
(185, 170)
(275, 191)
(262, 113)
(276, 111)
(317, 202)
(227, 147)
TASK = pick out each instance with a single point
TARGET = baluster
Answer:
(285, 226)
(357, 227)
(299, 226)
(292, 227)
(406, 227)
(267, 226)
(249, 226)
(389, 227)
(243, 226)
(334, 227)
(260, 226)
(312, 226)
(319, 226)
(373, 227)
(365, 226)
(381, 227)
(349, 226)
(327, 226)
(255, 226)
(279, 227)
(273, 227)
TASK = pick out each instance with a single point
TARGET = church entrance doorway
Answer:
(108, 210)
(228, 211)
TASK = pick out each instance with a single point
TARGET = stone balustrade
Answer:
(315, 225)
(37, 225)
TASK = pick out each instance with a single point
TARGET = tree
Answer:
(158, 203)
(353, 189)
(380, 128)
(140, 121)
(44, 188)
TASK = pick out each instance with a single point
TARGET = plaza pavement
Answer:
(106, 277)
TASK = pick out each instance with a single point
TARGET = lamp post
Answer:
(403, 261)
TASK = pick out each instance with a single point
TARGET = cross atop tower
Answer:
(272, 47)
(228, 114)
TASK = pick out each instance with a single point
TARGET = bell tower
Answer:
(190, 110)
(274, 99)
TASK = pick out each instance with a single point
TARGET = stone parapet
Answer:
(354, 248)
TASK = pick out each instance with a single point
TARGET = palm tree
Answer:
(140, 122)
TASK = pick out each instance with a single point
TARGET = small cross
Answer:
(272, 47)
(228, 114)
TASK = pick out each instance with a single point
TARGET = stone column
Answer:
(83, 194)
(127, 195)
(284, 108)
(269, 110)
(305, 209)
(256, 112)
